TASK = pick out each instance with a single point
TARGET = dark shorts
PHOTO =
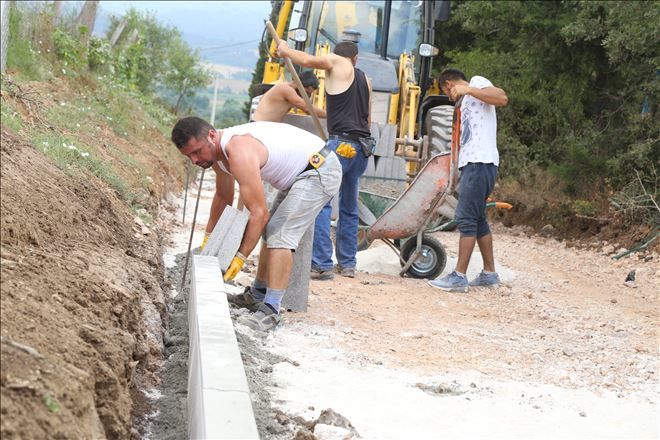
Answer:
(475, 185)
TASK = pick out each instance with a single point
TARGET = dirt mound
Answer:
(553, 215)
(82, 304)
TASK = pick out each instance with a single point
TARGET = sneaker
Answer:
(486, 280)
(322, 275)
(451, 283)
(347, 272)
(264, 319)
(244, 300)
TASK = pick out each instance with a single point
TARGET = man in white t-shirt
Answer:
(478, 161)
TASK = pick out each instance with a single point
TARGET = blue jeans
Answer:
(476, 183)
(347, 224)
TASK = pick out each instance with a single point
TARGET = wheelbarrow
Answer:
(405, 222)
(428, 205)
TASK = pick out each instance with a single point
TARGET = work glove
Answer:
(206, 238)
(346, 150)
(234, 267)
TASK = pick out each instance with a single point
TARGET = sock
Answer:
(274, 298)
(462, 275)
(488, 273)
(258, 289)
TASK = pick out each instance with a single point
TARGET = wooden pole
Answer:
(296, 79)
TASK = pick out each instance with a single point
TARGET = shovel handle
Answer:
(296, 79)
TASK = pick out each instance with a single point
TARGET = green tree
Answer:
(231, 114)
(577, 74)
(255, 88)
(184, 74)
(143, 48)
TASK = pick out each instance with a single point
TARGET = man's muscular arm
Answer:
(304, 59)
(224, 195)
(244, 165)
(296, 101)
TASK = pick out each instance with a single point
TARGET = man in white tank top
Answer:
(294, 161)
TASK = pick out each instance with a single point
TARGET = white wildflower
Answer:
(64, 71)
(84, 154)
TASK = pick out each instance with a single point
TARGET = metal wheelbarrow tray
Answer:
(407, 219)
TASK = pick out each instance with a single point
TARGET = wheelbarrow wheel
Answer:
(431, 260)
(363, 241)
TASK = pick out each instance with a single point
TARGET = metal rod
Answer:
(215, 98)
(385, 30)
(296, 79)
(185, 194)
(192, 231)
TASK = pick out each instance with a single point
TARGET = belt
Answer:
(346, 137)
(325, 152)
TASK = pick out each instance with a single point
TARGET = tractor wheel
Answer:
(431, 260)
(437, 126)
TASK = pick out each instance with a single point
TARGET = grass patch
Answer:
(73, 116)
(71, 157)
(10, 118)
(51, 403)
(140, 211)
(24, 54)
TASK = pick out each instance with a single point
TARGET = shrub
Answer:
(99, 55)
(69, 50)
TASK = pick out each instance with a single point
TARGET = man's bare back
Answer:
(277, 102)
(274, 104)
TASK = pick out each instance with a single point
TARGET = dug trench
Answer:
(82, 301)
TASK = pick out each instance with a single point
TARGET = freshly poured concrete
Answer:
(219, 405)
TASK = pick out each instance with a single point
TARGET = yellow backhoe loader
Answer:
(411, 120)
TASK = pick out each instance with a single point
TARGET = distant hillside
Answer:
(225, 32)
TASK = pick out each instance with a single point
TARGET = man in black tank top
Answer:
(348, 94)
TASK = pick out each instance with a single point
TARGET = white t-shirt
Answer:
(478, 128)
(289, 149)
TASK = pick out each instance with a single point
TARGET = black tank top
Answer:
(348, 112)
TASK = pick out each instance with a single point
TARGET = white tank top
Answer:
(288, 148)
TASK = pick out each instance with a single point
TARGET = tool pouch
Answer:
(368, 146)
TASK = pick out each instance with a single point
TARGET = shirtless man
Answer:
(277, 102)
(294, 161)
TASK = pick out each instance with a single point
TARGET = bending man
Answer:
(307, 175)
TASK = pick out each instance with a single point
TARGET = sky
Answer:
(203, 24)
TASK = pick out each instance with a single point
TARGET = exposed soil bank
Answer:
(82, 302)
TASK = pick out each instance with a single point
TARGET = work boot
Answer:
(264, 319)
(244, 300)
(348, 272)
(486, 280)
(322, 275)
(451, 283)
